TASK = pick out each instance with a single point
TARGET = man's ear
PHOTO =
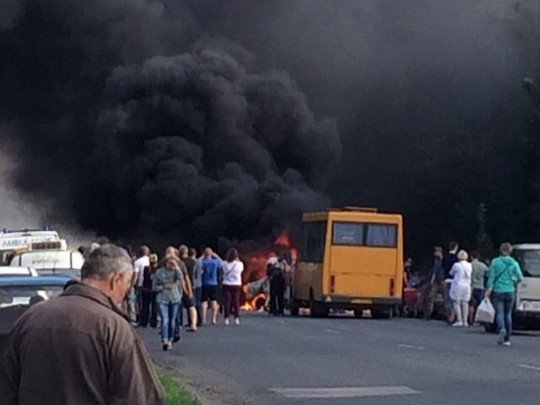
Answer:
(114, 279)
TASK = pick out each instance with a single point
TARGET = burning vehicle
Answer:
(257, 286)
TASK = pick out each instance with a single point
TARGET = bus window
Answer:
(314, 240)
(381, 235)
(348, 233)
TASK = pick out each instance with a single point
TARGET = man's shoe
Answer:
(165, 346)
(176, 338)
(502, 335)
(237, 321)
(227, 321)
(507, 343)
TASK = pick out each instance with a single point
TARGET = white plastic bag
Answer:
(485, 313)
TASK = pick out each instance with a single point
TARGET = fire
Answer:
(255, 303)
(256, 289)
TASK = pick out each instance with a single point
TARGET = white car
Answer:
(7, 271)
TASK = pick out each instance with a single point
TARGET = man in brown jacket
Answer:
(79, 348)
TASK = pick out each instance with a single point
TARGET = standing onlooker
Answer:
(169, 285)
(211, 265)
(431, 286)
(77, 348)
(447, 262)
(134, 296)
(148, 295)
(504, 275)
(460, 291)
(276, 274)
(232, 285)
(141, 264)
(479, 275)
(197, 283)
(188, 301)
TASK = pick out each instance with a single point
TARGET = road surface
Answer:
(301, 360)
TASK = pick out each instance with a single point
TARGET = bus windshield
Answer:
(529, 261)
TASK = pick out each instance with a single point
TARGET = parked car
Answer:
(20, 290)
(8, 271)
(17, 293)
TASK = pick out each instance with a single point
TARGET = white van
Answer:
(12, 241)
(527, 309)
(63, 262)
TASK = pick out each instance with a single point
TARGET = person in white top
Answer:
(135, 297)
(232, 285)
(460, 290)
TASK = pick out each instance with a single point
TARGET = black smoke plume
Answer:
(139, 123)
(175, 118)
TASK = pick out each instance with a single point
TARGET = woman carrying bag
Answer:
(504, 275)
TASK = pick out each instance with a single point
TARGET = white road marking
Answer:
(411, 346)
(344, 392)
(529, 367)
(335, 332)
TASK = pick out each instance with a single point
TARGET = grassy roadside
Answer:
(175, 392)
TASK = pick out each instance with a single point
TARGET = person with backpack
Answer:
(276, 274)
(504, 275)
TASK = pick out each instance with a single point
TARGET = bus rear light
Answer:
(392, 287)
(332, 284)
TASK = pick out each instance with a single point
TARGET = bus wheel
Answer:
(358, 313)
(381, 313)
(295, 307)
(316, 309)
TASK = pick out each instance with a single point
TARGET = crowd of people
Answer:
(465, 280)
(163, 288)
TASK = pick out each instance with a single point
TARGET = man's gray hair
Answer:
(106, 261)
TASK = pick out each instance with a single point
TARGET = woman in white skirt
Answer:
(460, 290)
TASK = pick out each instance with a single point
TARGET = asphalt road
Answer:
(349, 361)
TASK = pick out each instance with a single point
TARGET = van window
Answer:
(381, 235)
(529, 261)
(348, 233)
(314, 240)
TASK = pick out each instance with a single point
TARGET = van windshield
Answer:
(529, 261)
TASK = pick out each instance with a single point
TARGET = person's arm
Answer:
(142, 386)
(491, 278)
(453, 270)
(186, 283)
(157, 282)
(182, 282)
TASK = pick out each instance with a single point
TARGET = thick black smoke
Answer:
(172, 118)
(140, 124)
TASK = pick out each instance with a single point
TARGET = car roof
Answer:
(527, 246)
(34, 281)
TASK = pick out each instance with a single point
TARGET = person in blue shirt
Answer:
(211, 271)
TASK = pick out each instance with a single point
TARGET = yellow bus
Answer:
(351, 259)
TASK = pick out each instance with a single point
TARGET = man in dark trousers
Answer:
(276, 273)
(447, 262)
(80, 348)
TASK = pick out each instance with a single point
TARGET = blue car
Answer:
(17, 293)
